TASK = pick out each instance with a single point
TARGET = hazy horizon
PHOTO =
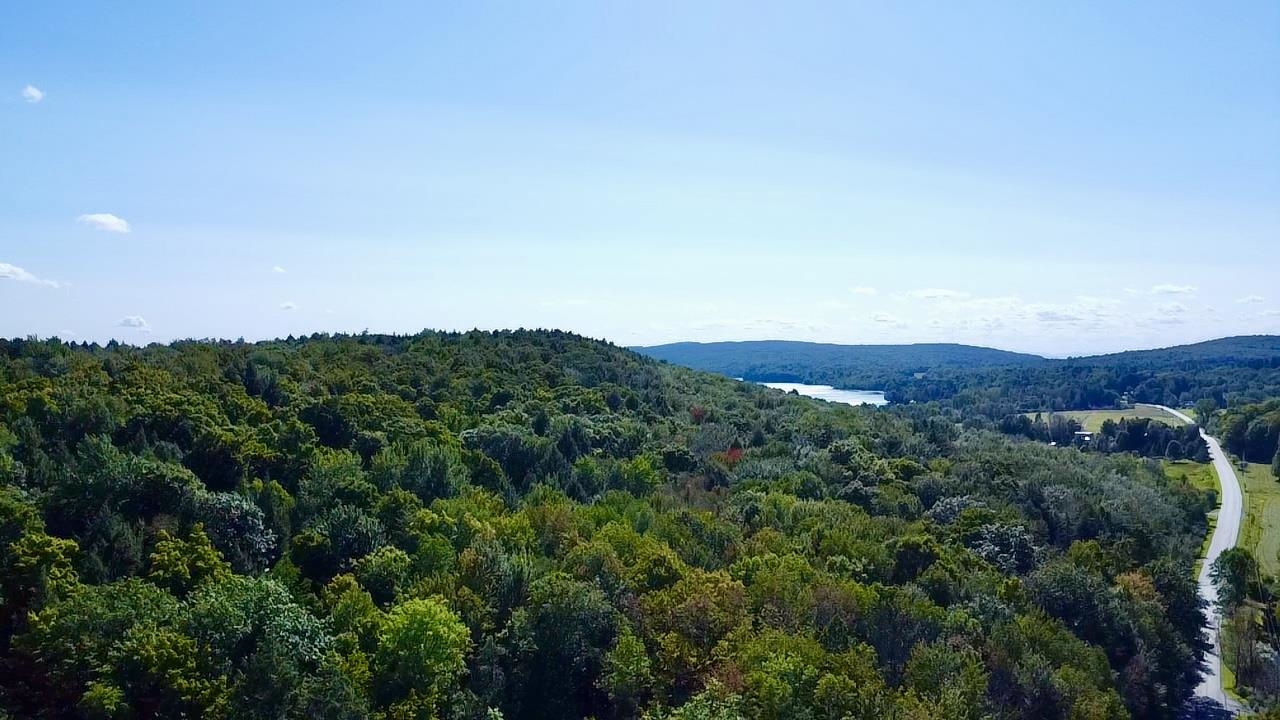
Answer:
(988, 347)
(144, 341)
(1056, 180)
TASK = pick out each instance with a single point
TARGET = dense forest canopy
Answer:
(1228, 371)
(532, 524)
(1252, 432)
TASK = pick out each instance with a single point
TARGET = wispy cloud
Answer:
(288, 305)
(997, 314)
(105, 221)
(783, 325)
(137, 322)
(1059, 316)
(765, 327)
(32, 94)
(966, 323)
(15, 273)
(937, 294)
(1002, 303)
(1250, 299)
(1171, 313)
(278, 270)
(861, 290)
(1270, 313)
(887, 319)
(1167, 289)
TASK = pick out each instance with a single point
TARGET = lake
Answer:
(830, 394)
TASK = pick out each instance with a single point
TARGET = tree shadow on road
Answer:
(1205, 709)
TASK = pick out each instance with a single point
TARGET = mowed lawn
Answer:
(1260, 533)
(1092, 420)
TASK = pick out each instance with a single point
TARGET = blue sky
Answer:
(1061, 178)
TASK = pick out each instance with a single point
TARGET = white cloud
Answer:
(765, 327)
(1169, 314)
(13, 272)
(937, 294)
(887, 319)
(137, 322)
(860, 290)
(105, 221)
(1167, 289)
(986, 315)
(288, 305)
(993, 304)
(782, 325)
(32, 94)
(278, 270)
(1059, 316)
(1250, 299)
(1270, 313)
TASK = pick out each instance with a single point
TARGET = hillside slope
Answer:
(1227, 371)
(545, 526)
(788, 361)
(1239, 349)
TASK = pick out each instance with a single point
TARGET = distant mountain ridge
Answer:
(745, 354)
(1231, 369)
(793, 361)
(1237, 348)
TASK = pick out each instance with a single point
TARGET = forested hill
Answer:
(533, 525)
(1223, 373)
(1246, 350)
(855, 366)
(1226, 371)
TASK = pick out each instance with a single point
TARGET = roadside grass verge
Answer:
(1202, 477)
(1260, 533)
(1229, 683)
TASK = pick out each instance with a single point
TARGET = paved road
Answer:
(1230, 513)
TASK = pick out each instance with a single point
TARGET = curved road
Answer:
(1230, 512)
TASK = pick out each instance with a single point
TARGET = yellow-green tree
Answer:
(180, 565)
(421, 650)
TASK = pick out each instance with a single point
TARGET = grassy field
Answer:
(1261, 531)
(1202, 477)
(1092, 420)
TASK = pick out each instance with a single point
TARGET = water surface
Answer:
(830, 394)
